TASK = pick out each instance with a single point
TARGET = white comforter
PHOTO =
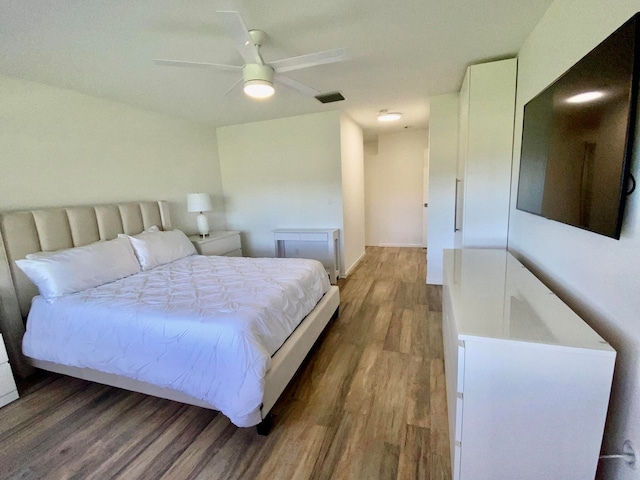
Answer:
(206, 326)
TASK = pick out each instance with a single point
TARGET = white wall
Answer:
(353, 209)
(393, 189)
(598, 276)
(283, 173)
(443, 157)
(60, 148)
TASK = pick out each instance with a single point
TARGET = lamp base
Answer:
(203, 224)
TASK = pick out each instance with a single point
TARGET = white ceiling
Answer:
(401, 52)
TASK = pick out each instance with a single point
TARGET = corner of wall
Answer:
(352, 174)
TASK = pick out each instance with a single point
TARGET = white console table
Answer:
(528, 381)
(328, 254)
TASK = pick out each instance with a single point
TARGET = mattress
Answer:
(206, 326)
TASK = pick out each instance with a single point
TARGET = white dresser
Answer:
(224, 243)
(8, 390)
(528, 381)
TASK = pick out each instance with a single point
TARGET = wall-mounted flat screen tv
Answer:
(577, 138)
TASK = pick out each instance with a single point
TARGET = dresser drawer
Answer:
(458, 415)
(286, 236)
(314, 237)
(460, 377)
(455, 461)
(3, 351)
(7, 384)
(8, 398)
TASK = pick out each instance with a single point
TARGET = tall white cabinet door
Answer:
(443, 154)
(463, 141)
(485, 148)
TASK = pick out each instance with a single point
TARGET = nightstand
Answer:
(226, 243)
(8, 389)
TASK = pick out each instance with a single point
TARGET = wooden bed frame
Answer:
(53, 229)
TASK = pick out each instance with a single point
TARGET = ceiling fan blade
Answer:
(181, 63)
(232, 87)
(240, 35)
(310, 60)
(295, 85)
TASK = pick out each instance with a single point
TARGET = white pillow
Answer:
(151, 229)
(75, 269)
(154, 249)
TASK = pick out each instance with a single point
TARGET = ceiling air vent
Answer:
(330, 97)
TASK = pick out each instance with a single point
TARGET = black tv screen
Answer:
(577, 138)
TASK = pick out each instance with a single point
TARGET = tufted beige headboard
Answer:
(53, 229)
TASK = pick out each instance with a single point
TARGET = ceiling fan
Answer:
(258, 76)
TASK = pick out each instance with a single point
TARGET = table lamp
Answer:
(200, 202)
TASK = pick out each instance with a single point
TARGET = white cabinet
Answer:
(224, 243)
(470, 153)
(443, 155)
(8, 389)
(322, 244)
(485, 143)
(528, 382)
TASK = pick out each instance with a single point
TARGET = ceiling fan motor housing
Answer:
(258, 37)
(253, 71)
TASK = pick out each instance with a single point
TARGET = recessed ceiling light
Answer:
(385, 116)
(585, 97)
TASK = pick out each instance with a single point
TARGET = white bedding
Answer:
(206, 326)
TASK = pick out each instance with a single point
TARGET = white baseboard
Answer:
(401, 245)
(353, 266)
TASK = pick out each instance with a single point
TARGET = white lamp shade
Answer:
(199, 202)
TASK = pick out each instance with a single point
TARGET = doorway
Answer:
(395, 179)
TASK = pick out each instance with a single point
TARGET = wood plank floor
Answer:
(368, 403)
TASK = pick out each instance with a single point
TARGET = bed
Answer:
(215, 281)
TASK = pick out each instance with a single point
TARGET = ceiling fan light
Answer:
(258, 88)
(385, 116)
(258, 80)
